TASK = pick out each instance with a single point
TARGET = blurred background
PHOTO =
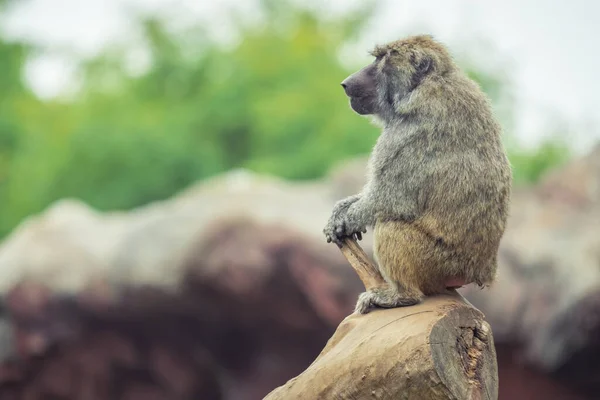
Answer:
(166, 168)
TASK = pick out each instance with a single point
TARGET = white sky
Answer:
(552, 44)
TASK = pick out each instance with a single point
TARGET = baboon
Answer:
(438, 180)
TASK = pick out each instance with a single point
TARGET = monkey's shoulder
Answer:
(412, 146)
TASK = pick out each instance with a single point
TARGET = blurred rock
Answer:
(66, 247)
(70, 244)
(262, 262)
(237, 268)
(253, 305)
(348, 177)
(547, 298)
(577, 184)
(69, 351)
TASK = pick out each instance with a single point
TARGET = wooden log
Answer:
(367, 272)
(441, 348)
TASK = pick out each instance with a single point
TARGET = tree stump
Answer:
(441, 348)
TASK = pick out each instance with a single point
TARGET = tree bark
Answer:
(441, 348)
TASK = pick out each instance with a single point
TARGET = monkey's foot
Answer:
(386, 297)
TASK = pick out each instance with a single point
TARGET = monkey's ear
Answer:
(424, 65)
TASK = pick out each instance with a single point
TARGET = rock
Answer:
(68, 351)
(547, 297)
(576, 184)
(253, 305)
(70, 244)
(275, 273)
(65, 248)
(266, 262)
(348, 177)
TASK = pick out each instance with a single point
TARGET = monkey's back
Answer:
(463, 199)
(456, 239)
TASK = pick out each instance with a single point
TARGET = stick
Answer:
(439, 349)
(367, 272)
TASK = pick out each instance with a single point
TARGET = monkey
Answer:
(438, 185)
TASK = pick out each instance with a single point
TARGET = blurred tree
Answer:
(15, 99)
(529, 165)
(271, 102)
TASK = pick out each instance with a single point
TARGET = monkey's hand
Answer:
(357, 218)
(335, 229)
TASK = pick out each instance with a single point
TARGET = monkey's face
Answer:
(361, 88)
(379, 87)
(398, 69)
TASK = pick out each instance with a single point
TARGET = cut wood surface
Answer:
(441, 348)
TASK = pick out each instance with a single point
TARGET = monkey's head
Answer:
(399, 69)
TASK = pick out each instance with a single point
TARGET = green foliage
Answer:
(530, 165)
(271, 102)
